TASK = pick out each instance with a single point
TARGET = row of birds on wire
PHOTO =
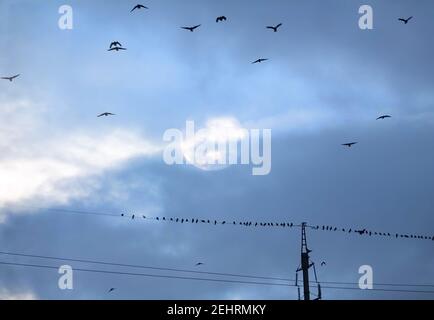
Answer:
(215, 222)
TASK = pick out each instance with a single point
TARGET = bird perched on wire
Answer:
(11, 78)
(221, 18)
(274, 28)
(384, 117)
(139, 6)
(191, 29)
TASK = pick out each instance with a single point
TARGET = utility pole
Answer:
(305, 265)
(305, 262)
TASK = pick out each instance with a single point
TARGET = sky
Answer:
(325, 83)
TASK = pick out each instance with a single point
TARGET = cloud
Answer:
(221, 131)
(57, 168)
(9, 295)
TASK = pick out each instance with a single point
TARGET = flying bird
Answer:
(199, 264)
(405, 20)
(111, 290)
(115, 44)
(221, 18)
(323, 263)
(274, 28)
(139, 6)
(384, 117)
(106, 114)
(116, 49)
(191, 28)
(11, 78)
(349, 145)
(259, 60)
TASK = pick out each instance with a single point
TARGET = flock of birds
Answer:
(117, 46)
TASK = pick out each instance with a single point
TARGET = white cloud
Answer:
(55, 169)
(9, 295)
(216, 131)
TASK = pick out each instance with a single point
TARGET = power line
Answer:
(244, 223)
(117, 264)
(202, 279)
(142, 266)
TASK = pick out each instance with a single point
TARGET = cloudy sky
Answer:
(325, 84)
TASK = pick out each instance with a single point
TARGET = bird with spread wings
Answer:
(138, 7)
(106, 114)
(11, 78)
(349, 145)
(274, 28)
(191, 28)
(259, 61)
(405, 20)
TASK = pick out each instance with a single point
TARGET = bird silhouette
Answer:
(116, 49)
(111, 290)
(323, 263)
(405, 20)
(133, 216)
(274, 28)
(259, 61)
(221, 18)
(139, 6)
(115, 44)
(191, 28)
(106, 114)
(199, 264)
(360, 231)
(349, 145)
(384, 117)
(11, 78)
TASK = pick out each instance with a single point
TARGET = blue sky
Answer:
(325, 84)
